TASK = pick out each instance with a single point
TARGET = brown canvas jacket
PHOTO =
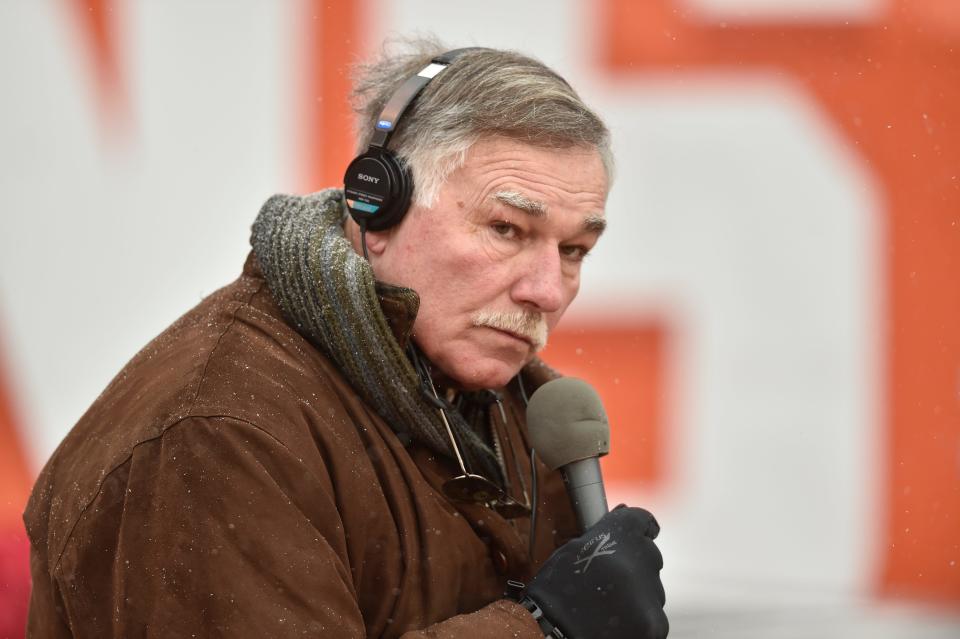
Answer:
(229, 482)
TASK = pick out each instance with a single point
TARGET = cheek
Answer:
(425, 263)
(476, 272)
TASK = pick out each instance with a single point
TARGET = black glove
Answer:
(605, 584)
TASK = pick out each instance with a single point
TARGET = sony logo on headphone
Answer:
(368, 178)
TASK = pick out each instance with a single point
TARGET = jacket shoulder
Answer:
(230, 356)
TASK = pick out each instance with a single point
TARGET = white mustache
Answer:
(529, 324)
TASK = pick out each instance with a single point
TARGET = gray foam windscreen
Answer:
(567, 423)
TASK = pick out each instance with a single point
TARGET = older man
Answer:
(334, 445)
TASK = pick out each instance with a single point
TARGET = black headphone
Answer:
(377, 187)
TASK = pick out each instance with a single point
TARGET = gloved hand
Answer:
(605, 584)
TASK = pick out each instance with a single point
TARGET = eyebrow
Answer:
(592, 224)
(522, 202)
(595, 224)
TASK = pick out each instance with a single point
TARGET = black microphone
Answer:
(569, 430)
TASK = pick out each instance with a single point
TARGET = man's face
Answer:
(498, 255)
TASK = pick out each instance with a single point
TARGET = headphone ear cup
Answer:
(377, 189)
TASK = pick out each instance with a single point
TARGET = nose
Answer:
(542, 285)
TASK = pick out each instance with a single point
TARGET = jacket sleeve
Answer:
(209, 530)
(217, 529)
(498, 620)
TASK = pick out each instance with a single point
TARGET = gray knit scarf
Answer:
(329, 294)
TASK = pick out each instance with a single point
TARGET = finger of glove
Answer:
(654, 583)
(641, 567)
(658, 626)
(631, 518)
(645, 569)
(653, 558)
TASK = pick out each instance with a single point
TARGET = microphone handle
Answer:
(585, 487)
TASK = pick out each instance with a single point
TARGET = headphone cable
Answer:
(363, 238)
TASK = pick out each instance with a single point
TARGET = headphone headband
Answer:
(410, 89)
(377, 186)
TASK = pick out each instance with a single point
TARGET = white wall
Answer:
(105, 240)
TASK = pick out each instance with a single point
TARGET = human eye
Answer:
(505, 229)
(574, 252)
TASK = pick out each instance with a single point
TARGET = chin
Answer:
(485, 374)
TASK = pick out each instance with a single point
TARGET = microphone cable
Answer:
(533, 477)
(533, 507)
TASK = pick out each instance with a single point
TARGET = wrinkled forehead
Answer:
(534, 178)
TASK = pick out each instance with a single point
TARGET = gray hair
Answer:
(484, 93)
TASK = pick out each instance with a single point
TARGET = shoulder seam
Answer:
(226, 329)
(179, 419)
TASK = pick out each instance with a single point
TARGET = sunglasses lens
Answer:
(472, 488)
(511, 509)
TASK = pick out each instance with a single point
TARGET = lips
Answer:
(517, 336)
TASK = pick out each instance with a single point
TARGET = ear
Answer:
(377, 241)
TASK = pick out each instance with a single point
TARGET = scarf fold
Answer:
(329, 294)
